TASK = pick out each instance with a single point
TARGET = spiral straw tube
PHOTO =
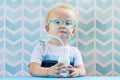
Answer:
(62, 43)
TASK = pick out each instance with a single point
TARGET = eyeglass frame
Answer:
(63, 22)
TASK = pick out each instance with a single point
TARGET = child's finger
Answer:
(71, 69)
(58, 75)
(62, 66)
(63, 70)
(72, 75)
(70, 66)
(59, 64)
(57, 71)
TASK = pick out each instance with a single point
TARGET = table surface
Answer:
(76, 78)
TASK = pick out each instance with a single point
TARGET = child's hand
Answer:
(56, 69)
(73, 71)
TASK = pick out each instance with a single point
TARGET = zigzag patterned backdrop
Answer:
(97, 37)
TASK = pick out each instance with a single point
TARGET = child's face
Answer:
(64, 16)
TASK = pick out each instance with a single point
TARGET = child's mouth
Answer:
(62, 32)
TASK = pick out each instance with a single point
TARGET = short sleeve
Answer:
(37, 54)
(78, 57)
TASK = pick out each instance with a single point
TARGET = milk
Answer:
(64, 58)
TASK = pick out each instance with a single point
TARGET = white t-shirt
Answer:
(47, 52)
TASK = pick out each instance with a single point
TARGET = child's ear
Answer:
(73, 31)
(47, 28)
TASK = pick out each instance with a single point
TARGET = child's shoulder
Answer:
(72, 47)
(40, 43)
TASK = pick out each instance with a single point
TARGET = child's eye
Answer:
(68, 23)
(57, 22)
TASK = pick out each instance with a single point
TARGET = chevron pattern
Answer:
(104, 37)
(31, 29)
(13, 36)
(97, 37)
(86, 33)
(116, 37)
(1, 38)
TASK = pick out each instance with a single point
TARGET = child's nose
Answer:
(63, 26)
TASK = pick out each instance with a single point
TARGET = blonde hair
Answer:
(62, 5)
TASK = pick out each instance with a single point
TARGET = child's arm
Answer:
(35, 69)
(78, 70)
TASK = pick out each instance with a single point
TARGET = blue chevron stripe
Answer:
(117, 36)
(1, 12)
(104, 48)
(86, 16)
(1, 75)
(117, 68)
(44, 12)
(30, 15)
(71, 2)
(13, 26)
(1, 56)
(32, 4)
(84, 48)
(28, 47)
(71, 39)
(13, 37)
(86, 5)
(26, 67)
(103, 70)
(13, 69)
(102, 26)
(117, 14)
(86, 37)
(117, 46)
(116, 3)
(117, 25)
(15, 47)
(90, 68)
(104, 16)
(13, 59)
(73, 44)
(116, 57)
(44, 38)
(87, 59)
(1, 67)
(14, 15)
(86, 27)
(105, 37)
(1, 44)
(1, 2)
(1, 34)
(14, 4)
(33, 37)
(31, 26)
(103, 5)
(27, 57)
(104, 59)
(1, 23)
(48, 4)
